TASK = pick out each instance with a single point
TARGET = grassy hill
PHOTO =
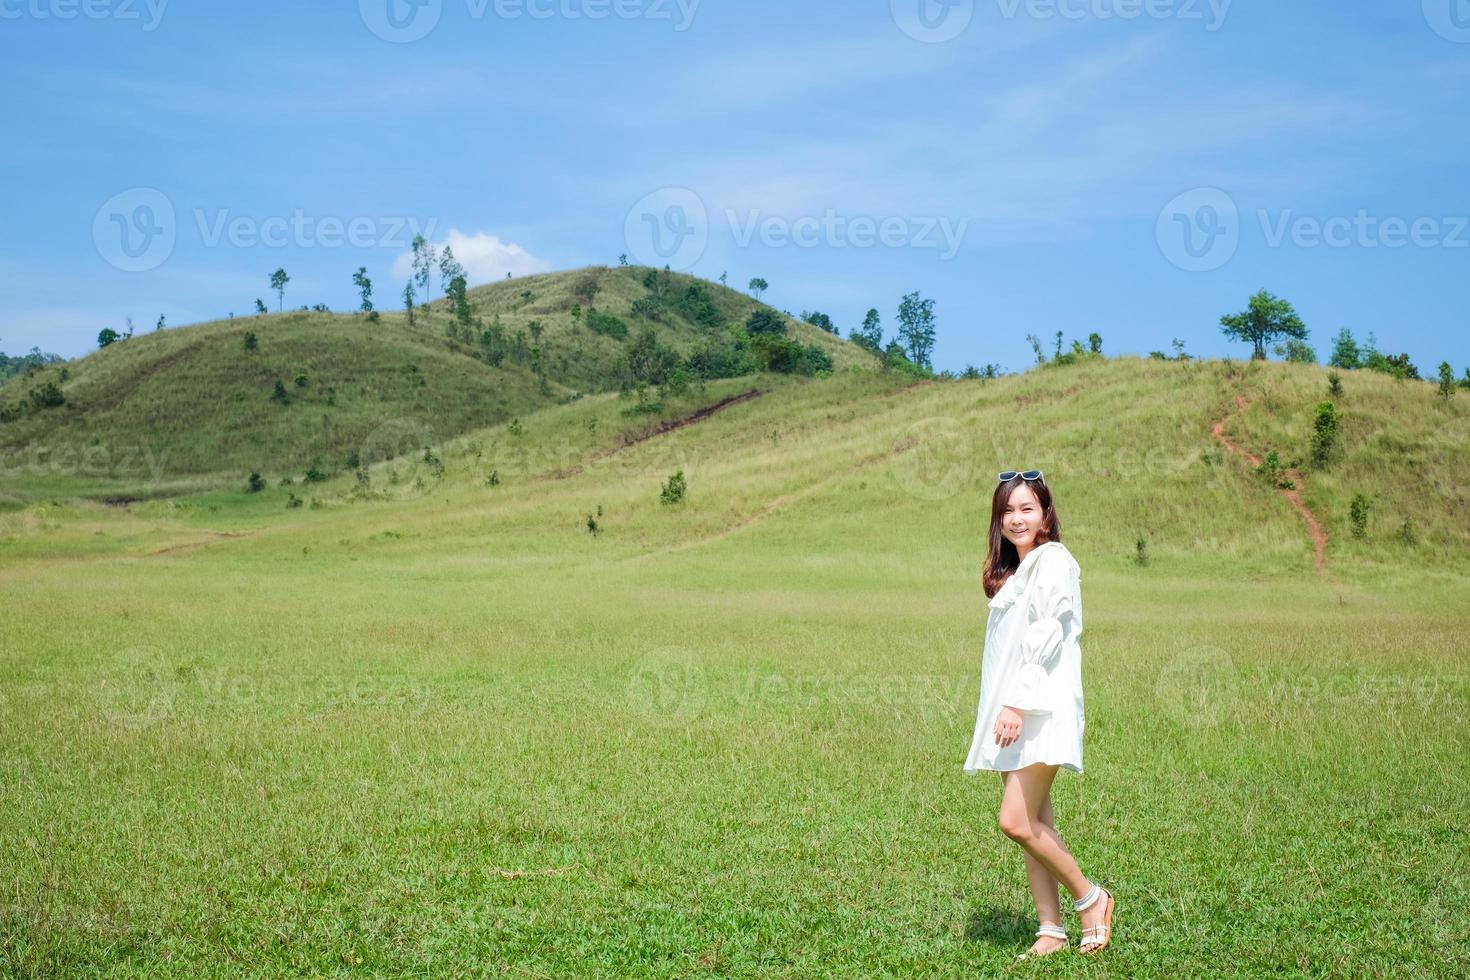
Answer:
(179, 409)
(435, 719)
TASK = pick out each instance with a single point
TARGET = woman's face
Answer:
(1022, 518)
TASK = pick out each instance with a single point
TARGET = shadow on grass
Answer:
(1000, 927)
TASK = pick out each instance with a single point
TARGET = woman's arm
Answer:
(1041, 644)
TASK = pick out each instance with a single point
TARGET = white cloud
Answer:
(485, 258)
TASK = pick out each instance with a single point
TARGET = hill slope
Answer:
(1128, 444)
(164, 408)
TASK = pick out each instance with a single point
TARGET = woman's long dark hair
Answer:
(1001, 558)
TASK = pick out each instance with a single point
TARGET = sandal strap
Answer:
(1055, 932)
(1085, 902)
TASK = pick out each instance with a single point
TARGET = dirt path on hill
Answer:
(175, 549)
(667, 425)
(1314, 526)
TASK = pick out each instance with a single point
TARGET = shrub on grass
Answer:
(1408, 533)
(1358, 515)
(1324, 433)
(47, 396)
(605, 324)
(673, 489)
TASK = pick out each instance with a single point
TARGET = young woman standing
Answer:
(1030, 719)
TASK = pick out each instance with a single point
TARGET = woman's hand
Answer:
(1007, 726)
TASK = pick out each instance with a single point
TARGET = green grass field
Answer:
(436, 727)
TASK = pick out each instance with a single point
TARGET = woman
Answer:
(1030, 720)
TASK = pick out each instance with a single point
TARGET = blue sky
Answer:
(1134, 167)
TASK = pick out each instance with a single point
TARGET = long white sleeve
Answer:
(1041, 644)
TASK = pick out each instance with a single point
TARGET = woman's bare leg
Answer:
(1043, 884)
(1020, 820)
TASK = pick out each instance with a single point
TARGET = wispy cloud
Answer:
(484, 256)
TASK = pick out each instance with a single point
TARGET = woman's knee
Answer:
(1017, 827)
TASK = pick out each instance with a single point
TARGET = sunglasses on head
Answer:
(1023, 474)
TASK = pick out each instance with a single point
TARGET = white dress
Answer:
(1032, 663)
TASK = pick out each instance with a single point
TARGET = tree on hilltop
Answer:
(1264, 319)
(916, 328)
(278, 283)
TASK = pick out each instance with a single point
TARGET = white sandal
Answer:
(1047, 929)
(1096, 936)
